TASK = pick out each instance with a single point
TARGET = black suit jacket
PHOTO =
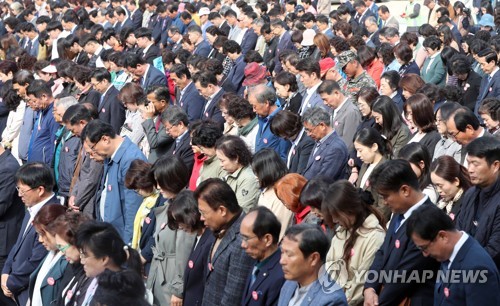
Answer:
(92, 96)
(399, 253)
(213, 112)
(196, 269)
(11, 207)
(152, 53)
(470, 94)
(267, 285)
(300, 154)
(111, 110)
(183, 150)
(294, 104)
(225, 28)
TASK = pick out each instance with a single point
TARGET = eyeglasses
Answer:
(83, 255)
(63, 248)
(21, 192)
(244, 238)
(454, 135)
(94, 85)
(423, 248)
(310, 130)
(95, 144)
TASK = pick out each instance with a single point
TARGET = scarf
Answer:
(147, 204)
(244, 131)
(448, 205)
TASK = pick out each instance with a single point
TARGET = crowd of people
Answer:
(249, 153)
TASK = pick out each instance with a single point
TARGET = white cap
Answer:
(204, 11)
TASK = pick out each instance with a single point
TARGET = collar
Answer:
(271, 115)
(146, 73)
(491, 74)
(326, 137)
(341, 104)
(260, 264)
(299, 136)
(458, 246)
(33, 210)
(435, 54)
(183, 91)
(178, 139)
(214, 94)
(107, 90)
(117, 149)
(219, 233)
(146, 49)
(393, 94)
(408, 213)
(98, 50)
(313, 89)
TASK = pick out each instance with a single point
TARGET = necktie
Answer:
(157, 123)
(444, 274)
(255, 272)
(398, 221)
(28, 46)
(316, 148)
(76, 173)
(304, 104)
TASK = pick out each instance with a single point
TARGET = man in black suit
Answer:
(397, 184)
(206, 83)
(146, 43)
(490, 85)
(362, 12)
(11, 206)
(145, 74)
(189, 99)
(110, 109)
(92, 47)
(176, 124)
(372, 27)
(260, 231)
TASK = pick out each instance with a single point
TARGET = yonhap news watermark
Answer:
(335, 276)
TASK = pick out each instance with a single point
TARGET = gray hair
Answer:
(371, 20)
(316, 115)
(66, 102)
(390, 32)
(258, 22)
(263, 94)
(175, 115)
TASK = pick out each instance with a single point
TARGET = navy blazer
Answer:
(488, 90)
(471, 258)
(316, 296)
(24, 258)
(111, 110)
(249, 41)
(267, 285)
(213, 112)
(11, 207)
(203, 49)
(152, 53)
(192, 102)
(183, 150)
(196, 269)
(399, 101)
(137, 19)
(285, 43)
(153, 77)
(399, 253)
(300, 154)
(237, 74)
(329, 161)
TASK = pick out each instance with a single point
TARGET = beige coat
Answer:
(351, 279)
(269, 199)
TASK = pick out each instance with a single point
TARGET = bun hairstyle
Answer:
(369, 136)
(120, 288)
(343, 200)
